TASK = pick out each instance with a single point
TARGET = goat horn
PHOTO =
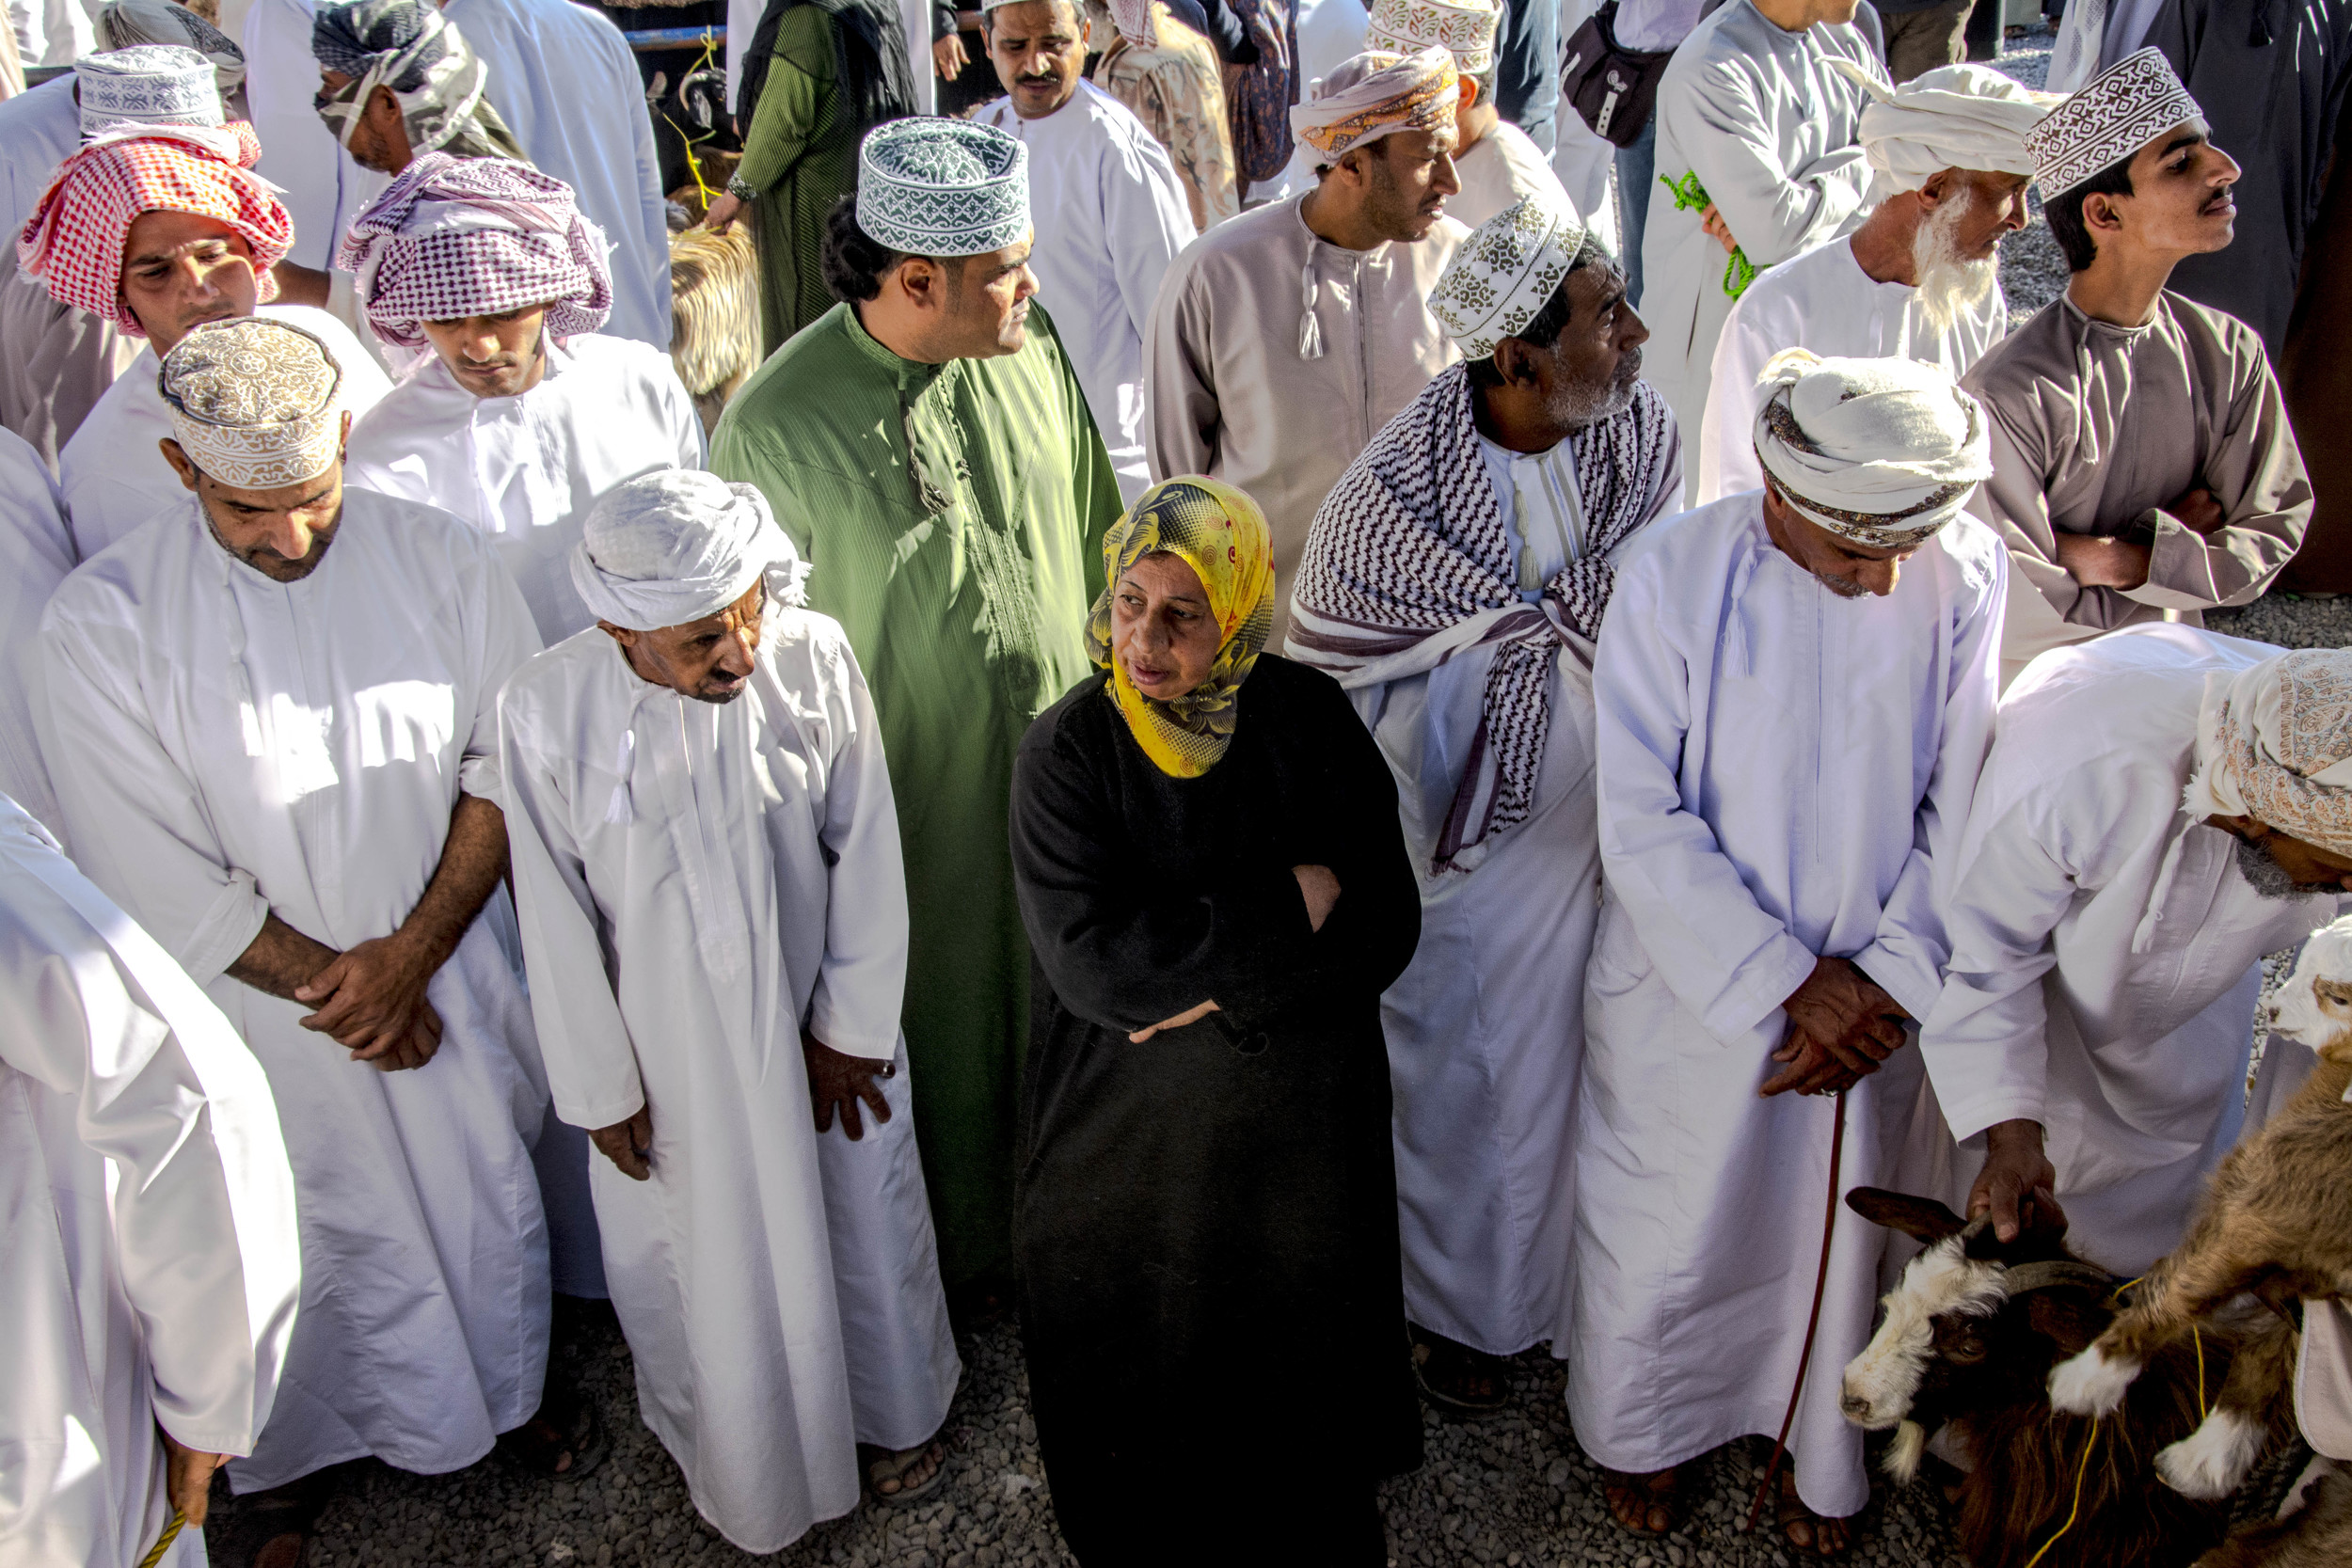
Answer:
(2043, 1277)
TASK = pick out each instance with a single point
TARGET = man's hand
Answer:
(947, 57)
(1841, 1026)
(628, 1144)
(835, 1078)
(188, 1479)
(723, 207)
(1713, 222)
(2197, 512)
(1320, 888)
(2016, 1177)
(2097, 561)
(1190, 1015)
(372, 1000)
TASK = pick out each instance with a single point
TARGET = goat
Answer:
(2317, 1535)
(1971, 1331)
(2271, 1224)
(714, 315)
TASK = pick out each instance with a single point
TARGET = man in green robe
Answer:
(930, 451)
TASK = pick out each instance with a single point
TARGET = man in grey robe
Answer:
(2143, 465)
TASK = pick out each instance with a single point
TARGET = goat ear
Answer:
(1921, 1218)
(2066, 1322)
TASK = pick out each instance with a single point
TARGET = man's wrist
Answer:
(740, 188)
(2020, 1133)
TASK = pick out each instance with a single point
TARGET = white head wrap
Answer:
(2275, 743)
(151, 84)
(1503, 277)
(678, 545)
(254, 402)
(1377, 94)
(1464, 28)
(2122, 110)
(1953, 117)
(932, 186)
(1880, 451)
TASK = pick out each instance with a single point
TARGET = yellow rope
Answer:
(2203, 1410)
(2089, 1442)
(172, 1533)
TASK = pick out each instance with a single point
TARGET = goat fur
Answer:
(2317, 1535)
(714, 315)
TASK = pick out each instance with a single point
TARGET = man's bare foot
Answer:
(906, 1475)
(1642, 1504)
(1805, 1530)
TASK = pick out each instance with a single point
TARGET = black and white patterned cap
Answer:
(932, 186)
(152, 83)
(2122, 110)
(1505, 274)
(255, 401)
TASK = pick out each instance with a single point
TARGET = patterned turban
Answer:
(1220, 533)
(2120, 111)
(681, 544)
(127, 24)
(1880, 451)
(1508, 272)
(1377, 94)
(930, 186)
(2275, 743)
(457, 237)
(148, 84)
(407, 47)
(73, 241)
(1953, 117)
(254, 402)
(1465, 28)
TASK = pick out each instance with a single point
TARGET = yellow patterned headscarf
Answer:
(1220, 533)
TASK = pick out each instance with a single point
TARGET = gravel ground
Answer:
(1516, 1491)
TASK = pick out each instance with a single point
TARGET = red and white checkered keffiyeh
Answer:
(73, 241)
(457, 237)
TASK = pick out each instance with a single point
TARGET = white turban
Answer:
(678, 545)
(1880, 451)
(2275, 743)
(1953, 117)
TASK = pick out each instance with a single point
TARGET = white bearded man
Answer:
(1110, 213)
(1496, 163)
(713, 909)
(2143, 464)
(2106, 943)
(1919, 278)
(1758, 137)
(1454, 583)
(157, 229)
(277, 751)
(524, 413)
(1795, 689)
(148, 1219)
(1284, 339)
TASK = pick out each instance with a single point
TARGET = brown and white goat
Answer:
(714, 315)
(1970, 1333)
(2273, 1223)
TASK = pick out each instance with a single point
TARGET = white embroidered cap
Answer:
(1506, 274)
(2122, 110)
(254, 402)
(1466, 28)
(932, 186)
(151, 84)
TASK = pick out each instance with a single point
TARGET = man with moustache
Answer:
(1920, 278)
(1284, 339)
(1455, 583)
(2143, 465)
(927, 445)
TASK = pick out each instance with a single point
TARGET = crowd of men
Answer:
(1792, 677)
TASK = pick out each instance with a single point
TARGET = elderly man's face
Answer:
(182, 269)
(2180, 203)
(493, 357)
(1848, 570)
(1403, 181)
(709, 660)
(2281, 867)
(1039, 48)
(1588, 374)
(283, 532)
(380, 139)
(1986, 205)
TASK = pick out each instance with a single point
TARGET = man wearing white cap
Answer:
(1795, 689)
(718, 966)
(1919, 278)
(1284, 339)
(1109, 211)
(148, 1218)
(927, 445)
(2106, 943)
(2143, 465)
(1454, 582)
(1758, 143)
(524, 412)
(275, 741)
(1496, 163)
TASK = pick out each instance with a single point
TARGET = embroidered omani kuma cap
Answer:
(254, 402)
(1466, 28)
(154, 84)
(2122, 110)
(1497, 282)
(932, 186)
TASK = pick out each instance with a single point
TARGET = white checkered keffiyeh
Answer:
(1408, 565)
(457, 237)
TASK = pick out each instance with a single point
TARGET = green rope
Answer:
(1690, 196)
